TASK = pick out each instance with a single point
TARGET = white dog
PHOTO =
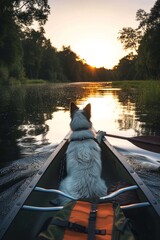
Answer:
(83, 158)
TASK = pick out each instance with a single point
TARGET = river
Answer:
(35, 118)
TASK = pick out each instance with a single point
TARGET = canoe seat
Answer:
(108, 197)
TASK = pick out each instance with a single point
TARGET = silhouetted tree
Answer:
(154, 16)
(24, 12)
(148, 55)
(15, 14)
(11, 54)
(125, 70)
(142, 18)
(149, 51)
(50, 68)
(130, 38)
(33, 42)
(70, 64)
(145, 40)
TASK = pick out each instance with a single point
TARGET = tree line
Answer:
(143, 61)
(27, 53)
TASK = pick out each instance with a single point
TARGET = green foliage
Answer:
(126, 69)
(145, 40)
(50, 68)
(10, 48)
(70, 65)
(25, 52)
(149, 52)
(15, 14)
(154, 16)
(40, 58)
(32, 43)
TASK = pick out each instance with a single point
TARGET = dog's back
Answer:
(83, 159)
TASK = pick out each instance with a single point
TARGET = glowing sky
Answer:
(90, 27)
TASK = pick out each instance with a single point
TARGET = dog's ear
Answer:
(73, 108)
(87, 110)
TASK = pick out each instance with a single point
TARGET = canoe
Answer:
(35, 206)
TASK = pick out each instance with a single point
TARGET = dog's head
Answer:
(80, 119)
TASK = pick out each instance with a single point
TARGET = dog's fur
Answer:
(83, 158)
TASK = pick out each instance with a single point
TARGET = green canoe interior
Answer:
(27, 224)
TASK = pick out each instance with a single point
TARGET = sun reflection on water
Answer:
(109, 114)
(111, 111)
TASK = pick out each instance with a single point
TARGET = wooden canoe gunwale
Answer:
(151, 199)
(19, 203)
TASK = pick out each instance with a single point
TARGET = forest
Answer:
(25, 53)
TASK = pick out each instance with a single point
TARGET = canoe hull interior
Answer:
(27, 224)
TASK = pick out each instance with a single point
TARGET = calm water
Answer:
(36, 115)
(35, 118)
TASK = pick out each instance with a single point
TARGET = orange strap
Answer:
(80, 214)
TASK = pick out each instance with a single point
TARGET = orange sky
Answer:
(91, 27)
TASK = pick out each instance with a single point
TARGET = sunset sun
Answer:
(96, 52)
(91, 28)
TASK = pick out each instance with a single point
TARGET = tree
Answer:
(142, 17)
(154, 16)
(125, 70)
(50, 68)
(11, 54)
(33, 43)
(148, 55)
(15, 14)
(25, 12)
(69, 61)
(130, 38)
(145, 40)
